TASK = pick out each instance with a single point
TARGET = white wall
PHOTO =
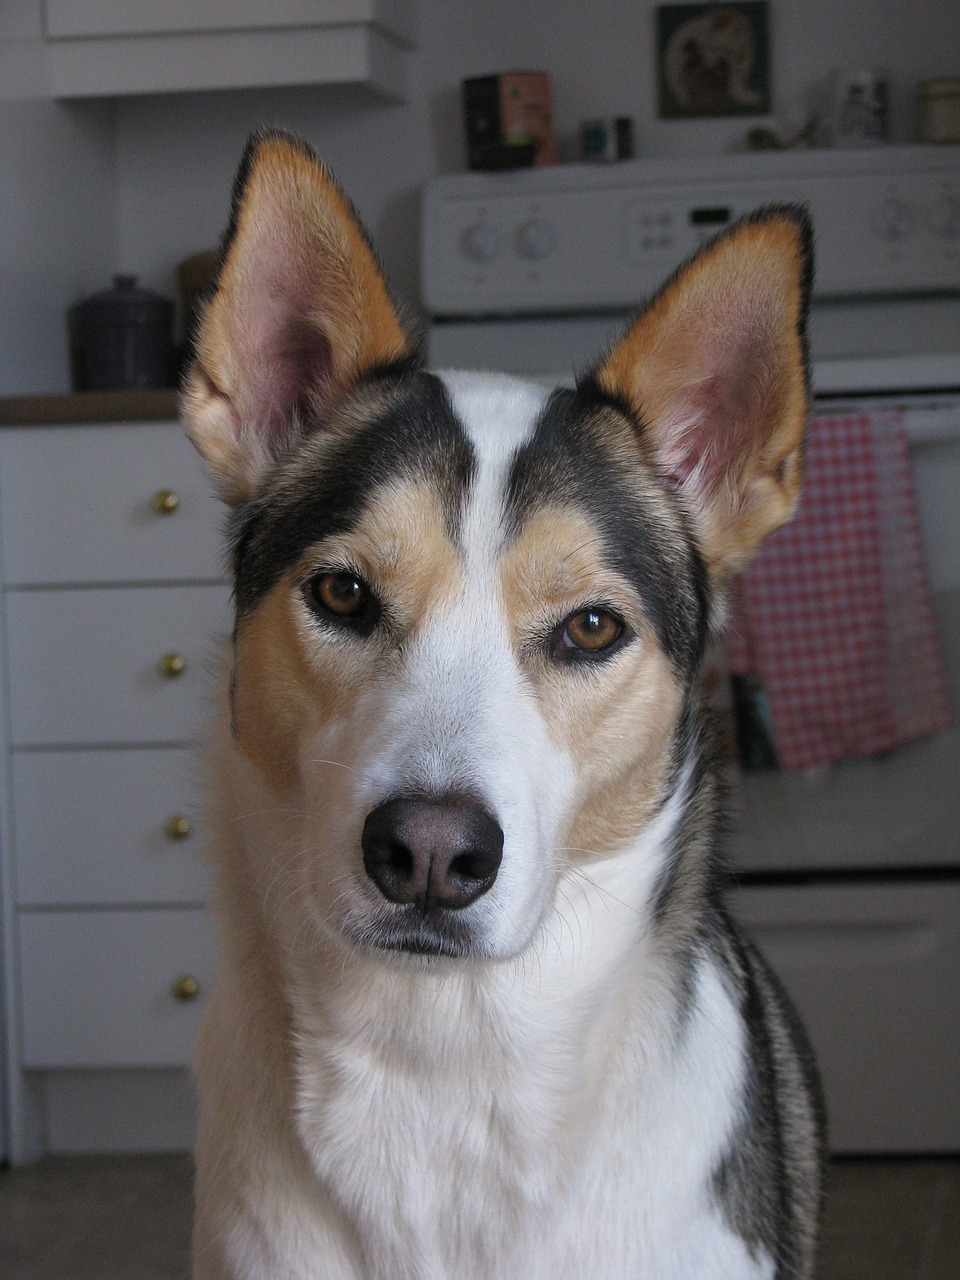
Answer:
(68, 220)
(58, 231)
(177, 155)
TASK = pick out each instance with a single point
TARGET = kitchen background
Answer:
(135, 183)
(139, 183)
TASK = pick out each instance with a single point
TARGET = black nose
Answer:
(443, 852)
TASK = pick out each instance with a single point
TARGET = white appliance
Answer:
(849, 876)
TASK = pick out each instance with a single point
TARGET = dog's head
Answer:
(471, 612)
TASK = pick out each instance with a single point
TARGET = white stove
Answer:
(850, 876)
(587, 237)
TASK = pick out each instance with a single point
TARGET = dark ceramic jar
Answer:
(124, 338)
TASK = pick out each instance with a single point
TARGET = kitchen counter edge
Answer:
(90, 406)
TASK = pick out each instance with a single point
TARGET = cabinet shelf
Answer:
(119, 48)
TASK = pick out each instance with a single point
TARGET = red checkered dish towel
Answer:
(834, 615)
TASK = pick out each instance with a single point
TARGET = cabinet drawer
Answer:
(84, 665)
(97, 986)
(874, 970)
(77, 505)
(102, 827)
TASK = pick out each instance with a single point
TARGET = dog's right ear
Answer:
(300, 310)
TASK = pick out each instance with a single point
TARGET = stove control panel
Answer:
(573, 239)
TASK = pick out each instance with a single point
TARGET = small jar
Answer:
(860, 107)
(938, 109)
(125, 338)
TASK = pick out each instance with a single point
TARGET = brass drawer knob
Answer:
(165, 502)
(172, 665)
(186, 989)
(178, 827)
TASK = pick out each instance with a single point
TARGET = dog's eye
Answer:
(342, 595)
(589, 631)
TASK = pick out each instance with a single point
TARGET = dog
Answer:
(481, 1011)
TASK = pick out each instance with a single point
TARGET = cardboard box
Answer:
(509, 120)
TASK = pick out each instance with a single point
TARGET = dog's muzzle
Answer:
(432, 853)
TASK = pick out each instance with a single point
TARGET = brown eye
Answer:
(343, 595)
(591, 631)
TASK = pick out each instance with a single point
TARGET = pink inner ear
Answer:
(289, 374)
(724, 408)
(289, 358)
(710, 431)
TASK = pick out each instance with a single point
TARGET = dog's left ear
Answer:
(715, 370)
(299, 311)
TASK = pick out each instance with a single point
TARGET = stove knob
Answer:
(480, 242)
(535, 239)
(893, 220)
(944, 217)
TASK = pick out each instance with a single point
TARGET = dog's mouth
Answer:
(434, 934)
(426, 947)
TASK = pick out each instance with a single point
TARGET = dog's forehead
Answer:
(452, 437)
(499, 413)
(486, 453)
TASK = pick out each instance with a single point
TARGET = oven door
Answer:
(873, 968)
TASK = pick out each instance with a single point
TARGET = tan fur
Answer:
(672, 353)
(403, 546)
(611, 722)
(624, 753)
(402, 549)
(272, 684)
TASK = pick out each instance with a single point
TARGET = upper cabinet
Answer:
(115, 48)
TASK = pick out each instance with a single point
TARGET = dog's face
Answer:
(470, 612)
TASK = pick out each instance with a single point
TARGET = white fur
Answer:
(534, 1113)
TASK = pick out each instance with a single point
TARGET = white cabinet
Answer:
(115, 1003)
(121, 665)
(70, 19)
(123, 829)
(872, 968)
(108, 48)
(113, 612)
(91, 504)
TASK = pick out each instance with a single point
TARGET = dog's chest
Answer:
(424, 1145)
(451, 1155)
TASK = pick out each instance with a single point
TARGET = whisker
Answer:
(337, 764)
(580, 874)
(576, 942)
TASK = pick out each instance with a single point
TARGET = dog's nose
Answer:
(443, 852)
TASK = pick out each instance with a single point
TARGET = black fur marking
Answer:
(691, 872)
(760, 1181)
(768, 1183)
(321, 488)
(567, 459)
(690, 879)
(750, 1181)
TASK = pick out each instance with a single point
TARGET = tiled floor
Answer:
(892, 1220)
(128, 1218)
(96, 1218)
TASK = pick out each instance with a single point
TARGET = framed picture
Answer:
(713, 60)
